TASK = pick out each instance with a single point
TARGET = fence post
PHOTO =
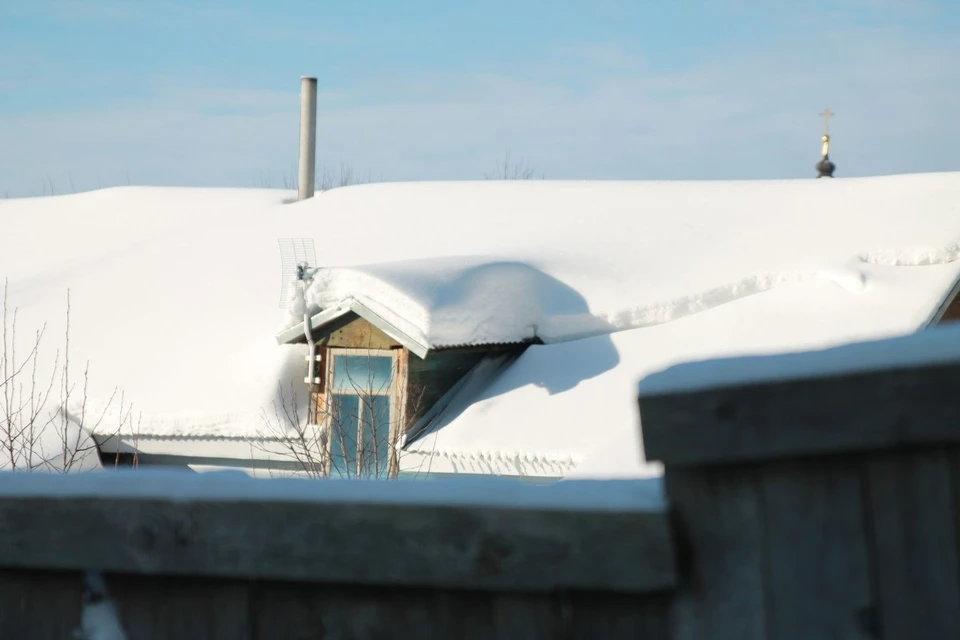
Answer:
(820, 506)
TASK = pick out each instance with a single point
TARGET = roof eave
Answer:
(412, 344)
(294, 333)
(318, 320)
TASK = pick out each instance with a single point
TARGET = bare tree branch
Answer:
(34, 432)
(514, 171)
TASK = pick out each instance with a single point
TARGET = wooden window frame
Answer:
(396, 393)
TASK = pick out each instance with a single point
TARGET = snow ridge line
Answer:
(912, 256)
(576, 327)
(567, 328)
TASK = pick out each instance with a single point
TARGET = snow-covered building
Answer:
(473, 328)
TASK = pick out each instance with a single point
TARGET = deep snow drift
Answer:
(174, 292)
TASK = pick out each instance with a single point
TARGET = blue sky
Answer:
(204, 92)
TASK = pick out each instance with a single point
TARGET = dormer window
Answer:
(362, 412)
(375, 388)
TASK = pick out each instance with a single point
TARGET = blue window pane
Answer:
(362, 374)
(375, 436)
(345, 416)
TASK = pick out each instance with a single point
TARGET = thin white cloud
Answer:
(603, 55)
(910, 7)
(258, 27)
(750, 116)
(165, 13)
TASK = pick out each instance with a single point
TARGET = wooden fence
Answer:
(219, 556)
(823, 506)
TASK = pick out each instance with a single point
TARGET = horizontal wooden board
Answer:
(862, 412)
(386, 544)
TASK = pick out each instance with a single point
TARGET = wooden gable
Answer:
(357, 333)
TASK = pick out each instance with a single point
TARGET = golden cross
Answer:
(826, 120)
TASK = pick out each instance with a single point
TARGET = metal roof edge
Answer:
(291, 334)
(101, 437)
(318, 319)
(379, 322)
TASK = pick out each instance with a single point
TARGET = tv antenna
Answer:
(297, 255)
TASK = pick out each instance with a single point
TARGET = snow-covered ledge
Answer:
(881, 394)
(484, 533)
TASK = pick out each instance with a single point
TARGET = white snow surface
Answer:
(562, 261)
(174, 293)
(99, 618)
(937, 346)
(101, 621)
(644, 495)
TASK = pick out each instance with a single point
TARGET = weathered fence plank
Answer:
(815, 550)
(913, 515)
(39, 604)
(720, 558)
(613, 615)
(46, 605)
(283, 611)
(160, 608)
(460, 547)
(811, 416)
(341, 612)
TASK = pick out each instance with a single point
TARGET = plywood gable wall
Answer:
(360, 334)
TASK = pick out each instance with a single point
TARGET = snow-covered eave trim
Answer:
(351, 305)
(102, 437)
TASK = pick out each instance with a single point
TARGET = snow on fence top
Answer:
(173, 291)
(572, 535)
(929, 348)
(234, 486)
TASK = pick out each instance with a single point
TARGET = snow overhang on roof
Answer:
(448, 302)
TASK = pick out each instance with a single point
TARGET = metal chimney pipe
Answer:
(306, 175)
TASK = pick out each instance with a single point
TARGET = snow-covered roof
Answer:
(174, 292)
